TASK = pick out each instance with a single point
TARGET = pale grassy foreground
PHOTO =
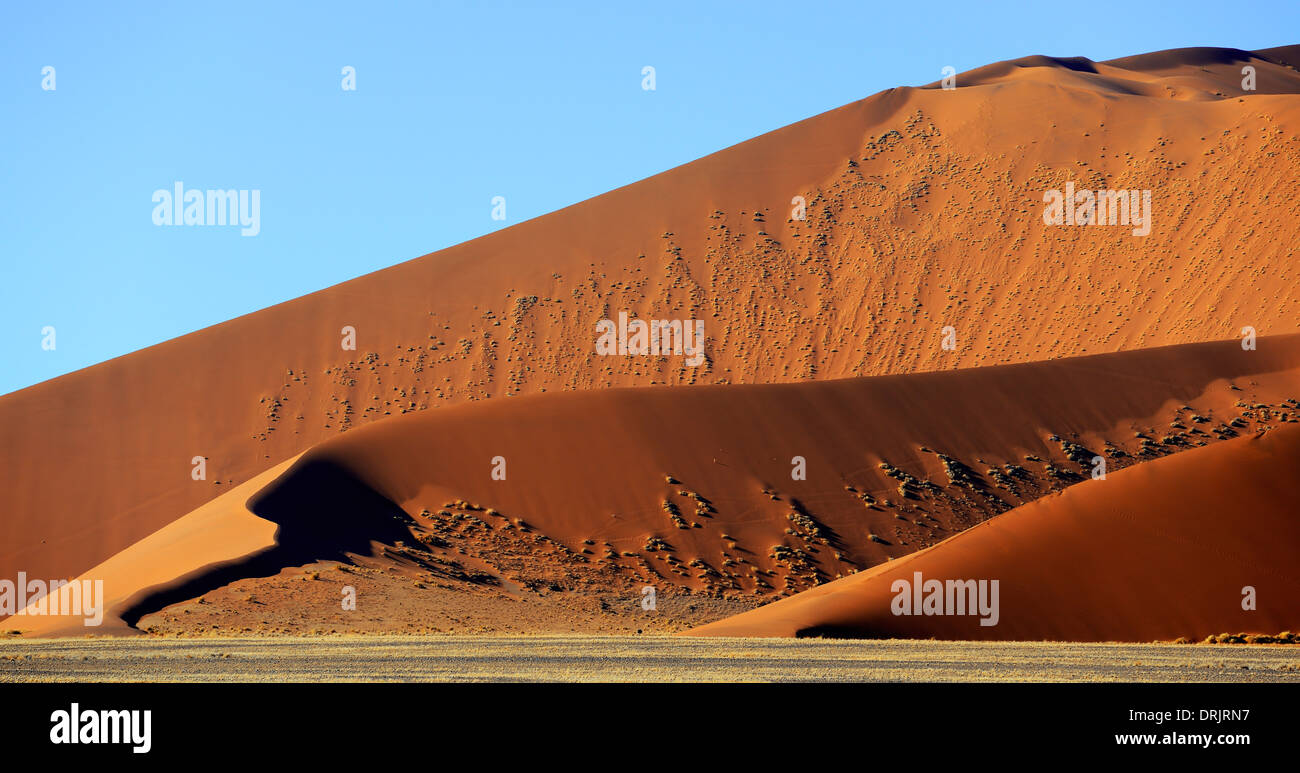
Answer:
(634, 659)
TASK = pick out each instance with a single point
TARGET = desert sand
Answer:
(1159, 551)
(691, 488)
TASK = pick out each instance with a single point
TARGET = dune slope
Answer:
(726, 491)
(1173, 548)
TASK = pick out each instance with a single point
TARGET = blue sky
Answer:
(454, 104)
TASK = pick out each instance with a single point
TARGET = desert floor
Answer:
(630, 659)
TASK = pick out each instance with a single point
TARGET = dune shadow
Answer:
(323, 512)
(1075, 63)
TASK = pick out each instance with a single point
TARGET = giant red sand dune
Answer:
(924, 209)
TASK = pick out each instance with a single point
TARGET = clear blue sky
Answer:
(540, 102)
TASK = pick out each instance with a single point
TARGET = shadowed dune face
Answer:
(694, 488)
(893, 464)
(923, 210)
(321, 513)
(294, 514)
(1168, 549)
(1200, 73)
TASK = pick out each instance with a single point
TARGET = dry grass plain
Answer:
(628, 659)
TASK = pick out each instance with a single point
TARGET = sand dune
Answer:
(214, 536)
(923, 210)
(692, 487)
(1161, 551)
(1181, 73)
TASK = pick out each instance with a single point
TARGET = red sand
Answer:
(591, 469)
(1159, 551)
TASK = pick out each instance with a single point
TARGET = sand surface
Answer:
(1161, 550)
(689, 489)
